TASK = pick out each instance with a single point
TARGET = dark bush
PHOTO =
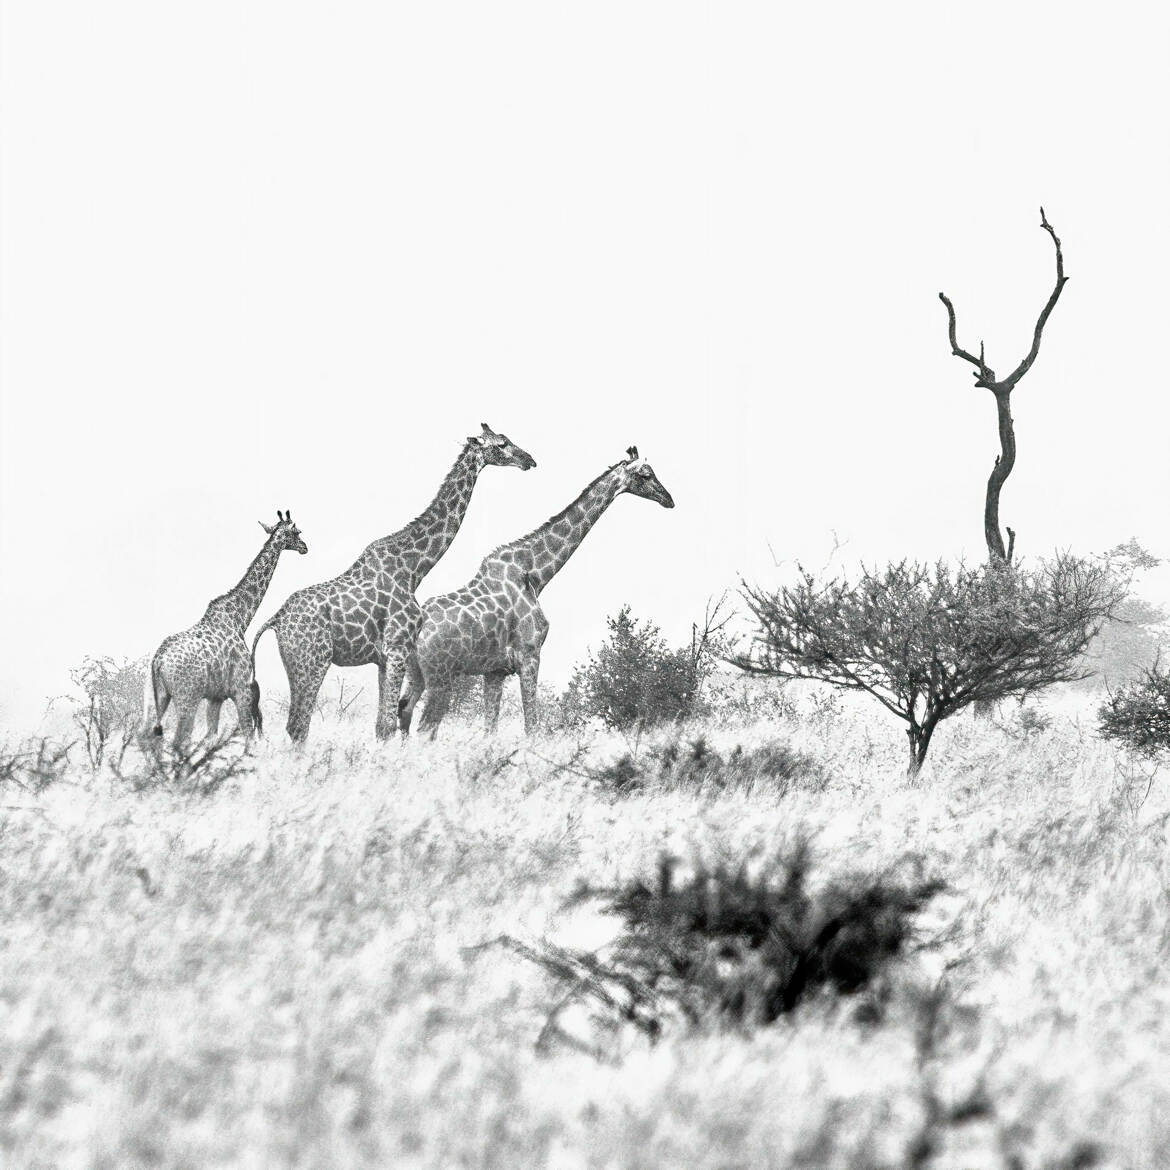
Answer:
(150, 765)
(692, 763)
(727, 944)
(34, 765)
(1138, 716)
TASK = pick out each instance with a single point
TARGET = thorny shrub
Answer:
(202, 769)
(732, 945)
(1027, 722)
(111, 702)
(635, 679)
(1133, 637)
(35, 764)
(693, 763)
(1138, 716)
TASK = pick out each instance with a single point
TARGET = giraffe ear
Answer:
(486, 429)
(265, 527)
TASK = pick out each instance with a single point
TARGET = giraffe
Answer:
(368, 614)
(494, 625)
(211, 660)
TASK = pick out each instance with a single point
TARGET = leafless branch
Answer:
(1042, 320)
(984, 374)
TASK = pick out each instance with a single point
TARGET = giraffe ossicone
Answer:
(211, 659)
(368, 615)
(494, 625)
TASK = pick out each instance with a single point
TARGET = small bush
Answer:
(728, 945)
(1026, 722)
(747, 698)
(112, 701)
(1138, 716)
(692, 763)
(200, 770)
(636, 680)
(1131, 640)
(35, 765)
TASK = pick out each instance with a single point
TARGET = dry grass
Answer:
(288, 971)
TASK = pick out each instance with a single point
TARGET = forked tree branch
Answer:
(985, 376)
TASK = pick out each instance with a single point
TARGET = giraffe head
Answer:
(286, 534)
(638, 479)
(500, 450)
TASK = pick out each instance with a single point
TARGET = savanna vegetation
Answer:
(743, 937)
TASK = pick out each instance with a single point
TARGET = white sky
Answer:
(263, 255)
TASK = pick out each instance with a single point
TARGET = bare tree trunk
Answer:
(915, 761)
(1002, 390)
(1004, 462)
(919, 737)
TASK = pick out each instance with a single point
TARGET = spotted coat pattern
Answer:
(494, 625)
(211, 660)
(368, 615)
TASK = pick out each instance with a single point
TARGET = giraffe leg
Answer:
(529, 669)
(438, 700)
(307, 664)
(390, 675)
(213, 706)
(186, 710)
(493, 690)
(242, 699)
(414, 689)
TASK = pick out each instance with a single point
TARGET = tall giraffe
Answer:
(368, 614)
(494, 625)
(211, 660)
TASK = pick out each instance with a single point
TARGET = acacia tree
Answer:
(1002, 389)
(927, 640)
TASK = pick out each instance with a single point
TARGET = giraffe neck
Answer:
(551, 545)
(430, 534)
(241, 603)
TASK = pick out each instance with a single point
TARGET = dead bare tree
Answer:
(1002, 389)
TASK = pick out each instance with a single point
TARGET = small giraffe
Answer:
(368, 614)
(494, 625)
(211, 660)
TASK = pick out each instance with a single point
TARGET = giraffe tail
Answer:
(162, 697)
(257, 717)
